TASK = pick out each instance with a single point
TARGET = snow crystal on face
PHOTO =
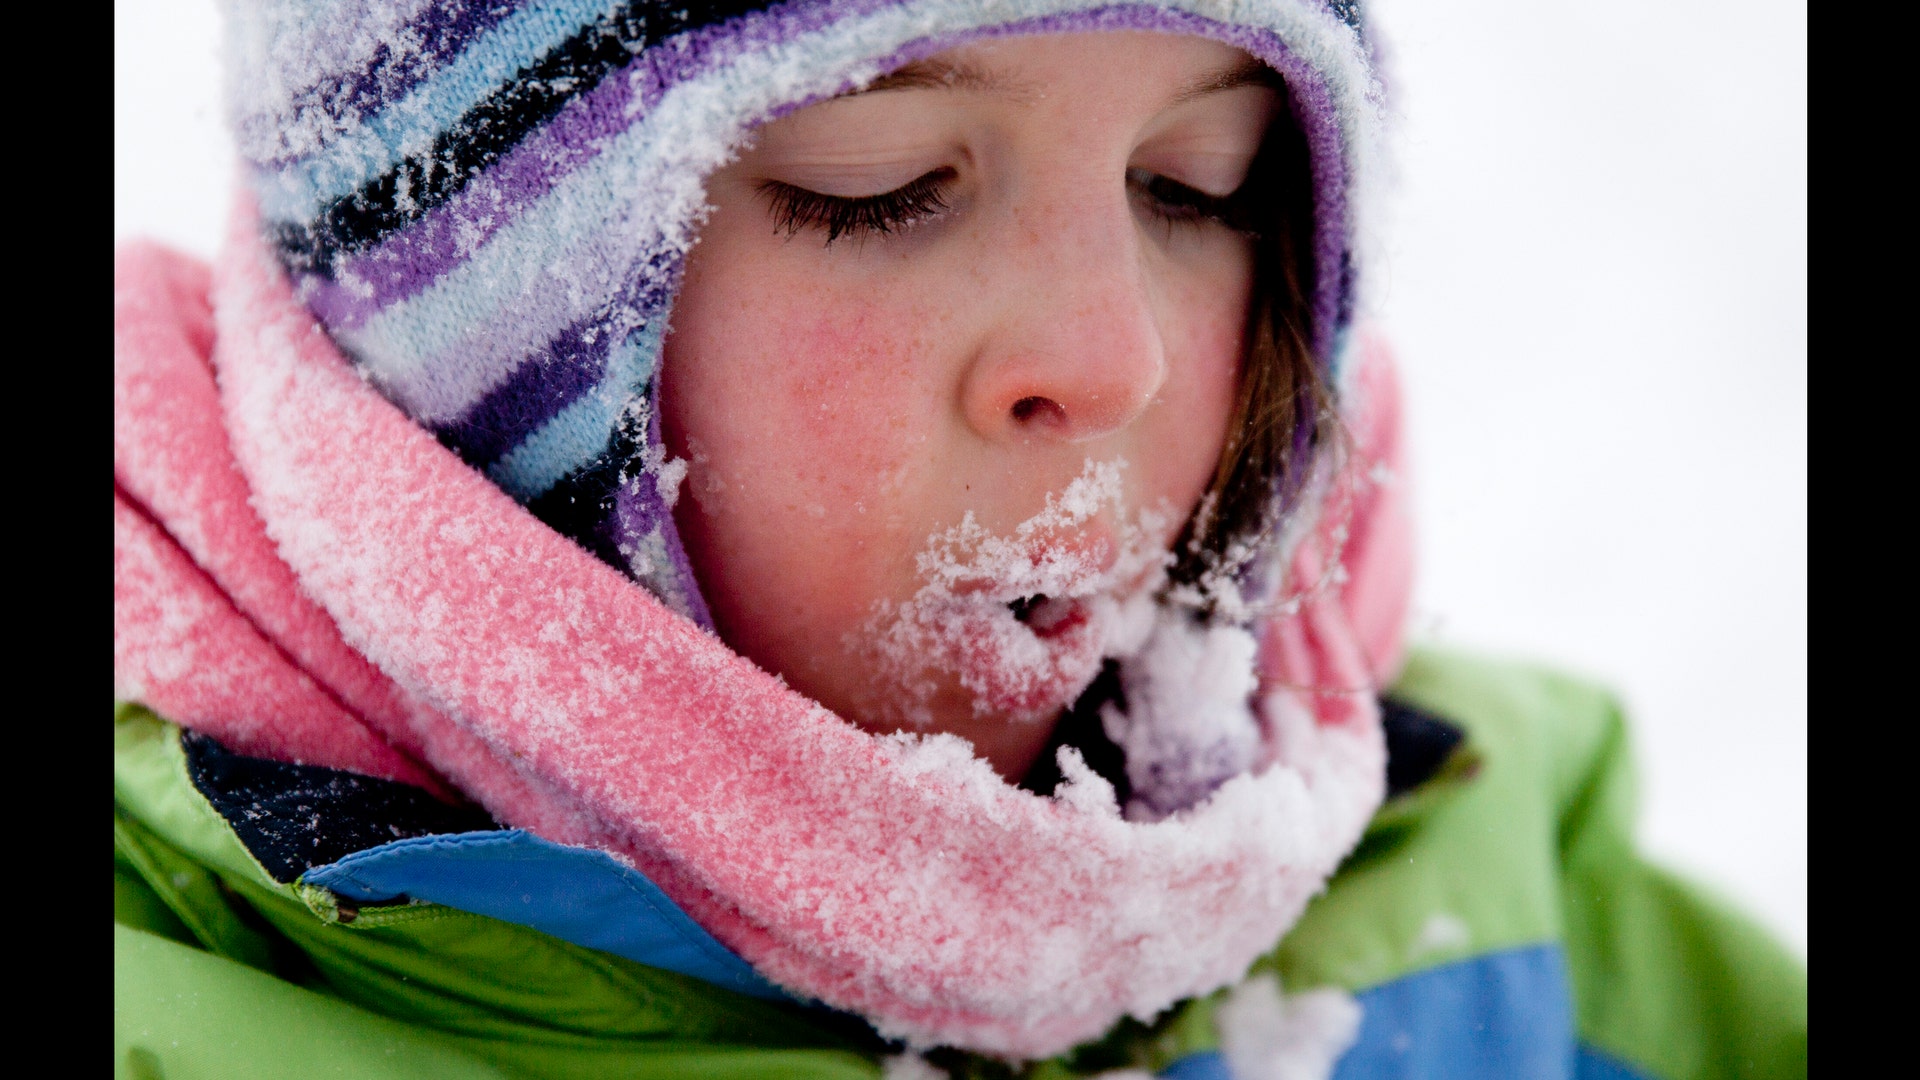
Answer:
(1077, 586)
(1188, 723)
(1265, 1036)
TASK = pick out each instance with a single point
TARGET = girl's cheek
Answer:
(1212, 316)
(827, 401)
(859, 390)
(1206, 336)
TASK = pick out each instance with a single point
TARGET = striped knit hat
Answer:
(487, 202)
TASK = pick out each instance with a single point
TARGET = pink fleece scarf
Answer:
(304, 574)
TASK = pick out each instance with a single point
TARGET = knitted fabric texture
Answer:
(487, 204)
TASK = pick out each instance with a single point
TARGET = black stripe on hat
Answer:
(519, 105)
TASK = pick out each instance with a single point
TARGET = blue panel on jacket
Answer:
(1593, 1065)
(1203, 1066)
(574, 894)
(1504, 1014)
(1507, 1014)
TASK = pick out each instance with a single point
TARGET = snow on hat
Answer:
(487, 202)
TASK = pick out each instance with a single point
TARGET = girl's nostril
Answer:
(1029, 407)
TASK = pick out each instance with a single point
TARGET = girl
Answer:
(777, 541)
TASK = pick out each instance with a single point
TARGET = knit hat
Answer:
(487, 204)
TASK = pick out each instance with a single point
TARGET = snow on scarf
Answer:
(304, 573)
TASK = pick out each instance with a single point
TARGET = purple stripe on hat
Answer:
(639, 511)
(548, 381)
(413, 258)
(410, 260)
(440, 32)
(551, 379)
(640, 514)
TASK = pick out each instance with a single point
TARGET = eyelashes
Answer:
(796, 209)
(1176, 203)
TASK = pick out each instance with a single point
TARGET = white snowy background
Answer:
(1595, 276)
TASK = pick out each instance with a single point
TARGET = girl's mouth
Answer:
(1049, 617)
(1022, 620)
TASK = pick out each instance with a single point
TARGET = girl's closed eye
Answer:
(1176, 203)
(795, 208)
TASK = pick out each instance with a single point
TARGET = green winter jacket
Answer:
(1493, 921)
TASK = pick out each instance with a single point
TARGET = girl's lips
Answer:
(1021, 619)
(1053, 617)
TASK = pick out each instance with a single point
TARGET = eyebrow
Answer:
(935, 74)
(1250, 71)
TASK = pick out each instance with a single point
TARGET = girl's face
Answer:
(953, 363)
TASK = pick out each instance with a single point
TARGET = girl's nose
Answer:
(1074, 351)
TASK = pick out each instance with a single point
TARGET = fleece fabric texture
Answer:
(487, 204)
(866, 873)
(1557, 954)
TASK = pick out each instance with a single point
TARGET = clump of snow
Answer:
(1024, 621)
(1082, 788)
(1217, 589)
(1267, 1036)
(667, 480)
(1189, 725)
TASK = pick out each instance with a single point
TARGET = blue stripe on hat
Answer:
(380, 142)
